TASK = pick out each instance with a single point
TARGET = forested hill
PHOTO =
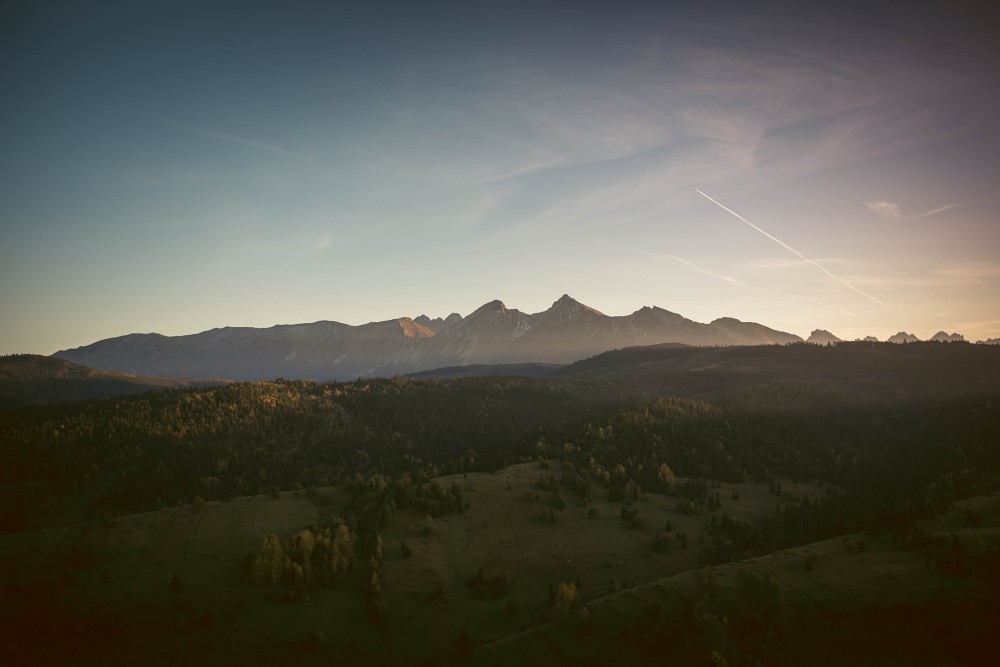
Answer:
(830, 413)
(31, 379)
(133, 453)
(798, 375)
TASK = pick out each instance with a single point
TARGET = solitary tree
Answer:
(566, 596)
(268, 564)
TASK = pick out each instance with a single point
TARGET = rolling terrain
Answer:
(30, 379)
(647, 504)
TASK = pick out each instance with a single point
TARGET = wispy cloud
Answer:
(799, 254)
(324, 241)
(970, 273)
(214, 134)
(956, 274)
(635, 137)
(884, 208)
(940, 209)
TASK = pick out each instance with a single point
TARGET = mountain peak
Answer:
(903, 337)
(568, 308)
(943, 337)
(822, 337)
(437, 325)
(495, 306)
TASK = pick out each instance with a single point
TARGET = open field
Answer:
(855, 606)
(105, 589)
(504, 530)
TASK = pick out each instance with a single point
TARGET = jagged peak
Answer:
(943, 336)
(903, 337)
(655, 310)
(567, 306)
(492, 307)
(822, 337)
(438, 324)
(566, 299)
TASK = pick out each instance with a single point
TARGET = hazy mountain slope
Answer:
(567, 331)
(493, 334)
(570, 330)
(750, 333)
(480, 338)
(308, 351)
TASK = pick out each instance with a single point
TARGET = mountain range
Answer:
(493, 334)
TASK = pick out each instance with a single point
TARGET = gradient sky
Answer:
(174, 167)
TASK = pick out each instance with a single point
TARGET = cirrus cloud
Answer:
(886, 209)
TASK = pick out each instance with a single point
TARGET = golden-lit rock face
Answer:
(413, 330)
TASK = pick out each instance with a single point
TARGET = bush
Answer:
(566, 596)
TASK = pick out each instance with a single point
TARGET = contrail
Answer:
(659, 257)
(232, 138)
(942, 209)
(697, 268)
(800, 255)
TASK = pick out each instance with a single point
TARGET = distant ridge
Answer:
(31, 379)
(902, 337)
(822, 337)
(856, 373)
(486, 370)
(492, 334)
(942, 337)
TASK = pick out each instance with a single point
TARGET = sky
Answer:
(177, 166)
